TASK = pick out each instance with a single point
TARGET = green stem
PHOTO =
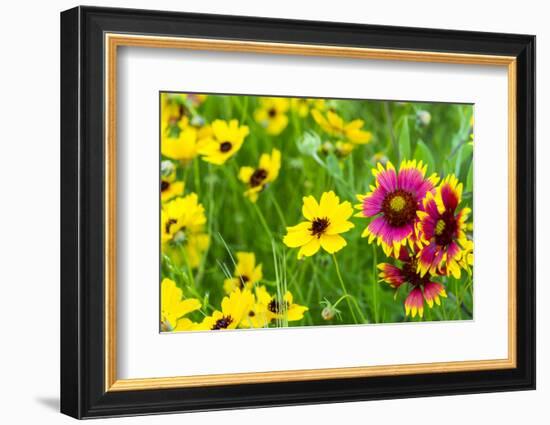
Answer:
(196, 173)
(375, 284)
(262, 219)
(278, 209)
(344, 288)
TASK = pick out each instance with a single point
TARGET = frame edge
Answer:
(70, 349)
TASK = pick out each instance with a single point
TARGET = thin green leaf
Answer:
(404, 141)
(422, 152)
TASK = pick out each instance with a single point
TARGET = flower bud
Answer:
(328, 313)
(423, 118)
(309, 143)
(167, 168)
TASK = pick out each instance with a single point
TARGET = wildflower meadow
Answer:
(278, 212)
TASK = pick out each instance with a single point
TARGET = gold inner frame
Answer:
(113, 41)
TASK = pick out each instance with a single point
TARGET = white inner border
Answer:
(143, 352)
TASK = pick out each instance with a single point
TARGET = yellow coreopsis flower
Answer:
(172, 111)
(169, 187)
(235, 308)
(280, 309)
(340, 149)
(302, 105)
(196, 99)
(258, 316)
(334, 125)
(173, 308)
(183, 147)
(182, 226)
(247, 273)
(272, 114)
(226, 139)
(325, 221)
(257, 179)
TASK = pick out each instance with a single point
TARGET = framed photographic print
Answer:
(262, 212)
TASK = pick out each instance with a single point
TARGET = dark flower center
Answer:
(276, 306)
(445, 228)
(169, 224)
(272, 112)
(242, 280)
(164, 185)
(399, 208)
(251, 313)
(225, 146)
(318, 226)
(409, 272)
(257, 178)
(222, 323)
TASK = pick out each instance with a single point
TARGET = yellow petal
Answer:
(298, 235)
(340, 226)
(332, 243)
(310, 209)
(329, 204)
(310, 248)
(245, 173)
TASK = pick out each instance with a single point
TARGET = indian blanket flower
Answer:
(280, 308)
(173, 308)
(393, 203)
(257, 179)
(246, 274)
(420, 287)
(169, 187)
(235, 308)
(225, 141)
(333, 124)
(442, 230)
(182, 229)
(325, 221)
(272, 114)
(303, 105)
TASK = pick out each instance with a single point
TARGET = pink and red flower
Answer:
(441, 230)
(394, 202)
(421, 288)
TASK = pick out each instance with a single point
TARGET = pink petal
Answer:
(449, 197)
(388, 180)
(372, 204)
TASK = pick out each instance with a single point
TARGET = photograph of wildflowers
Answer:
(279, 212)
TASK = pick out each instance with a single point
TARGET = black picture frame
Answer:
(83, 392)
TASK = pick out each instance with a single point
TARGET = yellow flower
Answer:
(280, 309)
(169, 188)
(272, 114)
(182, 226)
(173, 308)
(325, 221)
(196, 99)
(302, 105)
(173, 109)
(183, 147)
(343, 149)
(334, 125)
(258, 315)
(226, 139)
(235, 308)
(247, 273)
(340, 149)
(467, 259)
(257, 179)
